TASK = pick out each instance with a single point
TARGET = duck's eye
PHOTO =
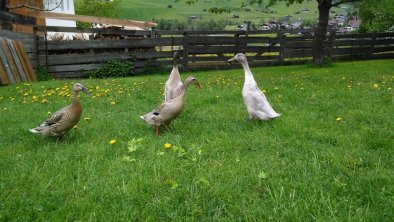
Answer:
(155, 113)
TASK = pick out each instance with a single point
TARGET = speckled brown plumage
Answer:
(64, 119)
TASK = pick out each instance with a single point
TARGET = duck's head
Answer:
(79, 87)
(192, 79)
(240, 57)
(175, 58)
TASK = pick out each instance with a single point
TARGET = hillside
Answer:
(149, 10)
(152, 9)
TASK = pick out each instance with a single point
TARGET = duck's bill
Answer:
(197, 84)
(85, 90)
(231, 60)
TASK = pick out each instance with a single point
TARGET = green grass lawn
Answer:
(329, 157)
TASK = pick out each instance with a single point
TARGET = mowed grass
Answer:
(329, 157)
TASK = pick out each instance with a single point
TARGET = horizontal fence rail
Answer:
(198, 49)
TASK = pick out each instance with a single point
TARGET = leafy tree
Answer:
(102, 8)
(377, 15)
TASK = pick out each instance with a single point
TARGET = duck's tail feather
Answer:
(34, 130)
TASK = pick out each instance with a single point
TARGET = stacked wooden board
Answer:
(15, 65)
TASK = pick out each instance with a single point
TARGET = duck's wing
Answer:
(56, 117)
(263, 104)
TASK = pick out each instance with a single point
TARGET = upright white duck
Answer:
(256, 103)
(174, 85)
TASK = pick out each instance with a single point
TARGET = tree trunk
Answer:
(321, 32)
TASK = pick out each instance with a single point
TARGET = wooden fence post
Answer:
(153, 32)
(247, 29)
(370, 55)
(185, 51)
(281, 42)
(332, 37)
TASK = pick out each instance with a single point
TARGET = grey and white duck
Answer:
(256, 102)
(169, 110)
(174, 86)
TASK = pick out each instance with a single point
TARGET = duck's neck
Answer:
(75, 99)
(248, 73)
(175, 73)
(185, 86)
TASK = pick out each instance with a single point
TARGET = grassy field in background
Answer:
(153, 9)
(329, 157)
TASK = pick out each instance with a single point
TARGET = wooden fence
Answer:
(198, 49)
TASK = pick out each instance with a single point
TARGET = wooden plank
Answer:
(95, 31)
(153, 55)
(225, 58)
(215, 40)
(342, 51)
(23, 64)
(8, 55)
(8, 17)
(298, 53)
(366, 35)
(72, 68)
(339, 42)
(70, 59)
(6, 66)
(90, 19)
(26, 62)
(65, 75)
(383, 56)
(3, 76)
(383, 49)
(16, 35)
(230, 49)
(109, 44)
(18, 62)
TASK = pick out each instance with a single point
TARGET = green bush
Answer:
(113, 68)
(42, 74)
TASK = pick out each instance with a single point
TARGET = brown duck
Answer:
(64, 119)
(169, 110)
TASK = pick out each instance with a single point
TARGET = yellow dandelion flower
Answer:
(112, 142)
(113, 103)
(167, 145)
(375, 85)
(43, 101)
(338, 119)
(35, 98)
